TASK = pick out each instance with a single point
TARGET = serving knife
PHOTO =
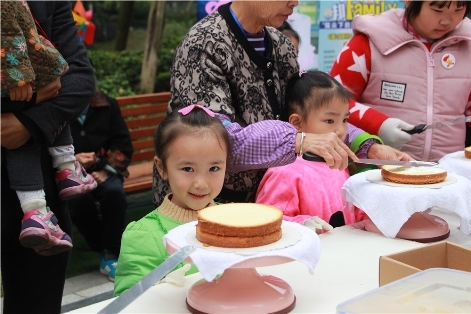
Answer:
(377, 162)
(422, 127)
(118, 304)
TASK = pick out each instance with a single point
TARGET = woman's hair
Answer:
(414, 7)
(176, 124)
(289, 32)
(311, 90)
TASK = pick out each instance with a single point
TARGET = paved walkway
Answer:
(86, 289)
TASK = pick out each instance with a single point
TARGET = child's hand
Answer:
(86, 159)
(65, 71)
(176, 276)
(100, 176)
(317, 224)
(24, 92)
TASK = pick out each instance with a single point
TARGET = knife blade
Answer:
(148, 281)
(377, 162)
(422, 127)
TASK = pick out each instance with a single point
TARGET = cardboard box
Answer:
(442, 254)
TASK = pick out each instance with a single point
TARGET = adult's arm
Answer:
(273, 143)
(9, 105)
(261, 145)
(45, 122)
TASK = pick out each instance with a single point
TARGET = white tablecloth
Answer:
(457, 163)
(348, 267)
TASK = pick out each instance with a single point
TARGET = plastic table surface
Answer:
(348, 267)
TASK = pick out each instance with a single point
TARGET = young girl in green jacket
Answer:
(191, 148)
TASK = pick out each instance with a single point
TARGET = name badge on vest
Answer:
(393, 91)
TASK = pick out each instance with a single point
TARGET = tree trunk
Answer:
(155, 27)
(124, 22)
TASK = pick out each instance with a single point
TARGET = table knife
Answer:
(377, 162)
(118, 304)
(422, 127)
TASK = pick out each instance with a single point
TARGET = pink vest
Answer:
(410, 83)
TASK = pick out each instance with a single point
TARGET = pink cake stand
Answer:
(421, 227)
(241, 289)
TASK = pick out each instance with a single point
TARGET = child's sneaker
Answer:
(42, 233)
(108, 267)
(71, 183)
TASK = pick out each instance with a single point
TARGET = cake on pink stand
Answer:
(231, 283)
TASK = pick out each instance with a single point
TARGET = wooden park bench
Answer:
(142, 113)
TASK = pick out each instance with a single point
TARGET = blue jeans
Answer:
(100, 215)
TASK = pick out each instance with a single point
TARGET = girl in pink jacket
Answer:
(410, 67)
(306, 190)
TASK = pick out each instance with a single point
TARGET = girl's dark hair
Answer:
(311, 90)
(289, 31)
(414, 7)
(176, 124)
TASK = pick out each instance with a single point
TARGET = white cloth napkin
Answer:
(389, 207)
(210, 263)
(457, 163)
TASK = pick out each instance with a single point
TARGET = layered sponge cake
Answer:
(239, 225)
(413, 175)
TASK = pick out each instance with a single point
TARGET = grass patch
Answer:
(83, 260)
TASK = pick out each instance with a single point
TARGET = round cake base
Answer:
(421, 227)
(241, 290)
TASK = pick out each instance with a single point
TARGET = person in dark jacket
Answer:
(103, 146)
(33, 283)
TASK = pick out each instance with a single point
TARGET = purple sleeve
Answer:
(261, 145)
(353, 132)
(364, 148)
(364, 138)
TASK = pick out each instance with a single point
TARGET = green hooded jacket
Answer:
(142, 250)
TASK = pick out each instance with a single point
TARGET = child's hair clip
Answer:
(188, 109)
(302, 72)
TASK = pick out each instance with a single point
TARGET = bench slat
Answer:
(143, 156)
(142, 99)
(142, 114)
(143, 144)
(139, 133)
(149, 121)
(144, 110)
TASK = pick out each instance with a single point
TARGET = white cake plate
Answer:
(241, 289)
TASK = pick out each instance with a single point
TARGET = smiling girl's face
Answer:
(195, 169)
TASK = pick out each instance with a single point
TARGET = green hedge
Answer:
(118, 73)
